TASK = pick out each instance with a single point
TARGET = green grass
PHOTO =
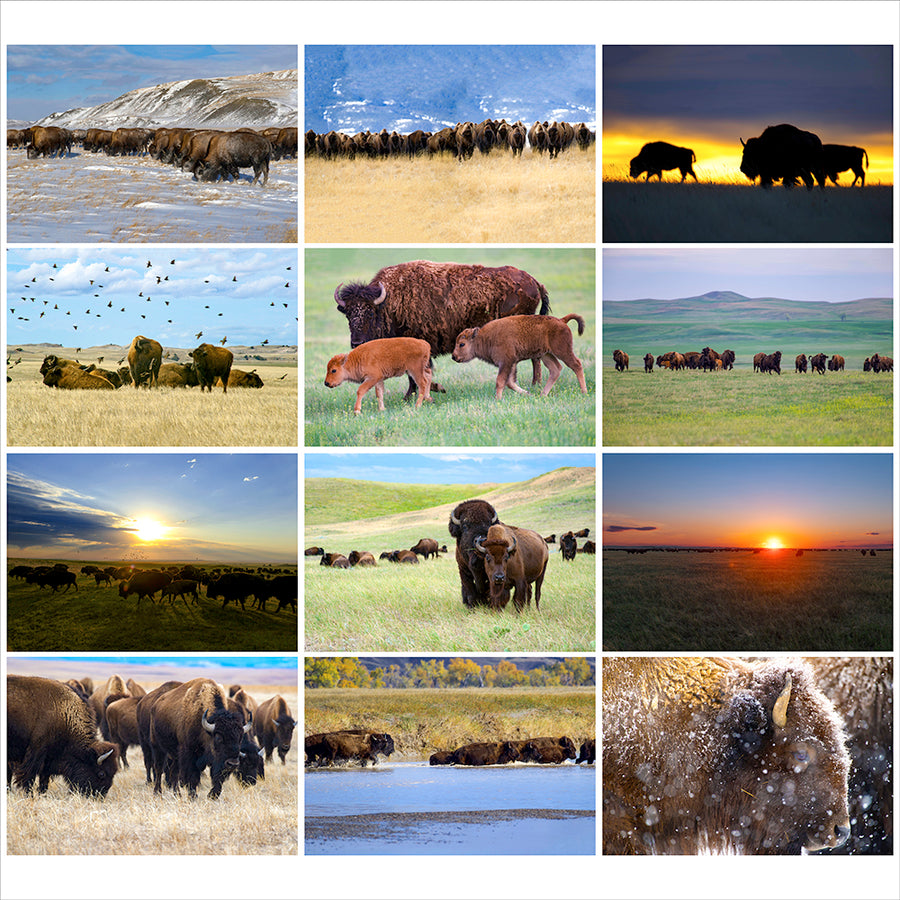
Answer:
(424, 720)
(416, 608)
(743, 408)
(98, 619)
(468, 414)
(738, 601)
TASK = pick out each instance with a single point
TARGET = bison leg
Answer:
(507, 378)
(574, 363)
(535, 371)
(423, 383)
(555, 370)
(364, 388)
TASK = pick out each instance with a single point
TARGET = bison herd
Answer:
(174, 583)
(182, 729)
(208, 154)
(459, 141)
(768, 363)
(781, 153)
(210, 366)
(426, 547)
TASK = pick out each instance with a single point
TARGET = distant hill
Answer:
(249, 101)
(728, 306)
(112, 353)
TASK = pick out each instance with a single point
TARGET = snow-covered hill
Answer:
(251, 101)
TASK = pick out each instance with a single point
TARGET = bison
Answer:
(240, 378)
(720, 754)
(648, 362)
(837, 158)
(210, 363)
(470, 520)
(817, 363)
(495, 753)
(177, 375)
(513, 558)
(658, 157)
(568, 546)
(144, 360)
(836, 363)
(335, 747)
(435, 301)
(441, 758)
(230, 151)
(620, 358)
(48, 141)
(144, 584)
(784, 153)
(426, 547)
(181, 587)
(369, 364)
(50, 731)
(508, 341)
(121, 723)
(361, 558)
(274, 727)
(192, 726)
(800, 363)
(587, 753)
(74, 378)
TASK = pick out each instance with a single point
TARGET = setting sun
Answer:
(773, 543)
(149, 529)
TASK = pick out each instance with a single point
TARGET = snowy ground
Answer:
(89, 197)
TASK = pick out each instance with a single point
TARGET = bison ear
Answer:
(472, 335)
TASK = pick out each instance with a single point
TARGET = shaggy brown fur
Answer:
(513, 558)
(144, 360)
(507, 342)
(74, 378)
(212, 362)
(371, 363)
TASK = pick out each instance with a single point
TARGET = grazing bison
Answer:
(568, 546)
(144, 584)
(495, 753)
(144, 360)
(817, 363)
(426, 547)
(50, 731)
(513, 558)
(192, 726)
(658, 157)
(121, 723)
(74, 378)
(229, 152)
(369, 364)
(722, 755)
(620, 358)
(837, 158)
(470, 520)
(274, 727)
(784, 153)
(142, 714)
(210, 363)
(506, 342)
(800, 363)
(436, 301)
(648, 362)
(53, 578)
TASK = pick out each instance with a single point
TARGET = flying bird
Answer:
(222, 342)
(149, 264)
(199, 334)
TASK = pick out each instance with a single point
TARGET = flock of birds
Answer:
(95, 287)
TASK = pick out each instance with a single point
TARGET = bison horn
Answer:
(513, 548)
(742, 142)
(337, 295)
(479, 548)
(206, 725)
(241, 754)
(261, 752)
(104, 756)
(495, 520)
(380, 298)
(779, 712)
(247, 727)
(453, 519)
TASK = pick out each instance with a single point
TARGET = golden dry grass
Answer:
(131, 820)
(486, 199)
(38, 416)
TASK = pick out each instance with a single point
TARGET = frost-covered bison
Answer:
(231, 151)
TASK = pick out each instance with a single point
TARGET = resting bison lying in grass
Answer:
(369, 364)
(74, 378)
(506, 342)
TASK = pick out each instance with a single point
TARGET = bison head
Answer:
(750, 162)
(363, 305)
(496, 550)
(464, 349)
(91, 772)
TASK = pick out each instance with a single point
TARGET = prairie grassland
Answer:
(131, 820)
(468, 414)
(486, 199)
(96, 618)
(39, 416)
(740, 601)
(422, 720)
(743, 408)
(710, 212)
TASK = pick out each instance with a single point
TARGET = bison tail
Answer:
(545, 302)
(578, 319)
(866, 155)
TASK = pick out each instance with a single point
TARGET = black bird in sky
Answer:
(149, 264)
(199, 334)
(222, 342)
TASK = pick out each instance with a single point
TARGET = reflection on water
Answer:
(416, 808)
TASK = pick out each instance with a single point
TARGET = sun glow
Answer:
(149, 529)
(773, 543)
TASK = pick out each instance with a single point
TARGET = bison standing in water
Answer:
(784, 153)
(720, 754)
(658, 157)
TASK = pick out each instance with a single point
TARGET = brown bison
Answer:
(50, 731)
(720, 754)
(508, 341)
(837, 158)
(426, 547)
(836, 363)
(238, 378)
(882, 363)
(144, 360)
(817, 363)
(335, 747)
(274, 727)
(568, 546)
(436, 301)
(48, 141)
(192, 726)
(441, 758)
(210, 363)
(620, 358)
(114, 688)
(142, 714)
(74, 378)
(800, 363)
(648, 362)
(121, 723)
(513, 558)
(587, 753)
(181, 587)
(658, 157)
(144, 584)
(361, 558)
(231, 151)
(495, 753)
(177, 375)
(469, 521)
(369, 364)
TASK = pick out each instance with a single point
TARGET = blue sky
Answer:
(62, 295)
(440, 468)
(702, 499)
(43, 79)
(795, 273)
(213, 507)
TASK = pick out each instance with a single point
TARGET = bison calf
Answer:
(369, 364)
(506, 342)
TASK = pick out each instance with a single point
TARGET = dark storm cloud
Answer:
(616, 528)
(42, 513)
(850, 87)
